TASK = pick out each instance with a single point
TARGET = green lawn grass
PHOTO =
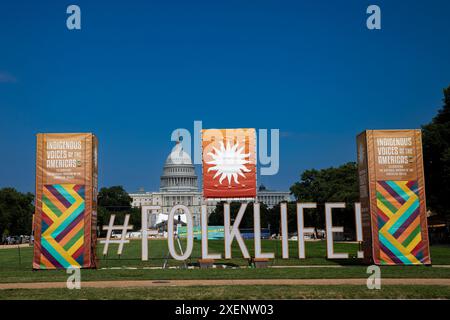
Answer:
(158, 251)
(315, 251)
(235, 292)
(13, 269)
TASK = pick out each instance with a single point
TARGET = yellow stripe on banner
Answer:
(72, 232)
(76, 246)
(409, 229)
(49, 212)
(54, 200)
(385, 209)
(400, 247)
(75, 194)
(408, 191)
(414, 242)
(398, 215)
(389, 197)
(55, 245)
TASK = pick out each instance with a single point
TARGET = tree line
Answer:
(320, 186)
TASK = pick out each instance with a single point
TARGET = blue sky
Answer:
(139, 69)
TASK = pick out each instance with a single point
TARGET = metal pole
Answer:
(20, 258)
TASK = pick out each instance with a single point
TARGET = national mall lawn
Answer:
(15, 267)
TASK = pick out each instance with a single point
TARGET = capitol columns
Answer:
(204, 223)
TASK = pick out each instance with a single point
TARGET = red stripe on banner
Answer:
(78, 252)
(47, 219)
(418, 248)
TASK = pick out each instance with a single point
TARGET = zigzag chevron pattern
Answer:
(62, 241)
(399, 227)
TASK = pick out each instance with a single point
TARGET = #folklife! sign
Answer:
(392, 192)
(64, 223)
(229, 163)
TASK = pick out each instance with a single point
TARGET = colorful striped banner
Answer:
(62, 226)
(399, 227)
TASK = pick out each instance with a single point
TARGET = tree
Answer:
(274, 218)
(16, 212)
(216, 217)
(436, 153)
(115, 200)
(329, 185)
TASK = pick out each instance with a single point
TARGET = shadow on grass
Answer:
(349, 262)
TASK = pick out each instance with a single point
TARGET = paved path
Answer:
(14, 246)
(221, 282)
(244, 267)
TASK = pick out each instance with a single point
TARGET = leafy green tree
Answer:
(329, 185)
(16, 212)
(216, 217)
(436, 152)
(274, 218)
(115, 200)
(102, 217)
(135, 218)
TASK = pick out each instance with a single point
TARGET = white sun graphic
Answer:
(229, 162)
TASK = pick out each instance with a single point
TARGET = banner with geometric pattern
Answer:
(399, 227)
(62, 226)
(65, 211)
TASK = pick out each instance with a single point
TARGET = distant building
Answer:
(270, 197)
(179, 185)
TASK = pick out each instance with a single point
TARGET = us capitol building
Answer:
(179, 185)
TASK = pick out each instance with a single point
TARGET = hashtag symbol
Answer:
(112, 227)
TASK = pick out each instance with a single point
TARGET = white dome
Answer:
(178, 172)
(178, 156)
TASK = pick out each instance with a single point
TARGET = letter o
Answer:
(190, 233)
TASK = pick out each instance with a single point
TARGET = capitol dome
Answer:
(178, 156)
(179, 172)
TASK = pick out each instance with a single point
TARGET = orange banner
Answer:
(64, 223)
(392, 192)
(229, 163)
